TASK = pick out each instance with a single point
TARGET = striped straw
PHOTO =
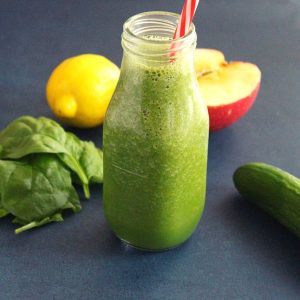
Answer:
(186, 18)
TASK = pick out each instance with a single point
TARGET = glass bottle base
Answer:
(147, 249)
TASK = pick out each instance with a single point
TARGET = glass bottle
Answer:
(155, 137)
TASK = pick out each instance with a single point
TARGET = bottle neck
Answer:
(148, 37)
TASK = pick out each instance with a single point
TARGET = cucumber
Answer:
(272, 189)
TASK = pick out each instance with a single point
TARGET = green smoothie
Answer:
(155, 153)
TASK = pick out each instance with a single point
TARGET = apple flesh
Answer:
(207, 60)
(228, 89)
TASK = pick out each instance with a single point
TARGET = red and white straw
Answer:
(186, 18)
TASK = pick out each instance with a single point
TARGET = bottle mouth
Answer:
(151, 34)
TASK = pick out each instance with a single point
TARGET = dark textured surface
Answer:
(237, 252)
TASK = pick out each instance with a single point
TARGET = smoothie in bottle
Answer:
(155, 137)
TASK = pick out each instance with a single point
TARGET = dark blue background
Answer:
(237, 252)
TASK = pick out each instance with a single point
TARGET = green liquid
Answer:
(155, 154)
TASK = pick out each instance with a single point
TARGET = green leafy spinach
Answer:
(38, 163)
(36, 190)
(27, 135)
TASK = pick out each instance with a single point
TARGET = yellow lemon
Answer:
(80, 88)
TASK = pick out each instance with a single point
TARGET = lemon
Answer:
(80, 88)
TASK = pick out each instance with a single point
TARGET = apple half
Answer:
(228, 89)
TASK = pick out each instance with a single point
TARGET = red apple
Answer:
(228, 89)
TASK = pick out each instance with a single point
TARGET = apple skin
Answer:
(222, 116)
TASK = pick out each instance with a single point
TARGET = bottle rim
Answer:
(137, 28)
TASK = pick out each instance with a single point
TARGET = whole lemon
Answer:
(80, 88)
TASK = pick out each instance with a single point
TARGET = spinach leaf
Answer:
(89, 157)
(27, 135)
(4, 176)
(3, 212)
(55, 218)
(36, 190)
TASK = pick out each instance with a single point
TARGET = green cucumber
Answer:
(272, 189)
